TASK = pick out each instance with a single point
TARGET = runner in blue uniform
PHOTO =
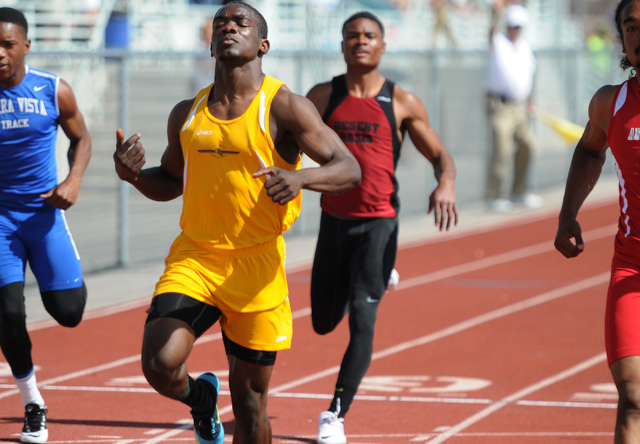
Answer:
(32, 222)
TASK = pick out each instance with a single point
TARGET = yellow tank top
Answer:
(223, 206)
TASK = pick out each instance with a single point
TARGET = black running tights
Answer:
(65, 306)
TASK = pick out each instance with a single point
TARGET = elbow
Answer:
(356, 175)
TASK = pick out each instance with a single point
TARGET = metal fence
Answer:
(114, 225)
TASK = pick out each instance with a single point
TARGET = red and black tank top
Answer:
(368, 128)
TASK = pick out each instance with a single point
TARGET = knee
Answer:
(322, 327)
(157, 369)
(12, 312)
(325, 321)
(66, 306)
(629, 397)
(362, 319)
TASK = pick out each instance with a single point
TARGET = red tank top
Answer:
(367, 127)
(624, 140)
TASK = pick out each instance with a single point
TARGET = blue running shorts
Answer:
(41, 237)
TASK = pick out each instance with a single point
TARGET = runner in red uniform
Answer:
(356, 247)
(614, 120)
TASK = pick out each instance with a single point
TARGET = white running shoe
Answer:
(394, 279)
(531, 201)
(503, 206)
(331, 429)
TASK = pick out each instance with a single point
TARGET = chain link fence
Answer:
(114, 225)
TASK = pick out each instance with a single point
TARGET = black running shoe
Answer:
(35, 424)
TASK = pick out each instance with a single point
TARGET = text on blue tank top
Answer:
(28, 130)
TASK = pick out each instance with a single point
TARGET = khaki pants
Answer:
(509, 123)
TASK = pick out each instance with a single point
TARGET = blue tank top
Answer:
(28, 130)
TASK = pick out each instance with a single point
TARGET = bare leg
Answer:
(166, 344)
(249, 385)
(626, 375)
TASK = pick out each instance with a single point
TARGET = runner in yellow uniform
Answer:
(233, 153)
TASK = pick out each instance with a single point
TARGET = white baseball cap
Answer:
(516, 16)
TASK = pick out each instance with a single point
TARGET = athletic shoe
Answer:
(208, 427)
(331, 429)
(531, 201)
(35, 424)
(394, 279)
(500, 206)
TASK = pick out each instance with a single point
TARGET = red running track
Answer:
(491, 337)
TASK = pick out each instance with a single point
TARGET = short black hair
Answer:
(10, 15)
(363, 14)
(625, 62)
(263, 29)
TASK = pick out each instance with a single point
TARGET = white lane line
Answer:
(585, 365)
(362, 398)
(79, 374)
(416, 281)
(456, 328)
(542, 298)
(498, 259)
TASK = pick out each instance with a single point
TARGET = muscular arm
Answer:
(163, 182)
(72, 123)
(413, 117)
(585, 169)
(296, 116)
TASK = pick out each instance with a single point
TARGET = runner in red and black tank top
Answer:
(368, 128)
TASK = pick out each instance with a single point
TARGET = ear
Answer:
(27, 45)
(265, 46)
(384, 46)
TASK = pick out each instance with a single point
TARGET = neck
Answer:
(16, 78)
(237, 80)
(364, 84)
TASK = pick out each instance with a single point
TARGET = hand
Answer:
(129, 156)
(62, 196)
(567, 231)
(445, 210)
(282, 186)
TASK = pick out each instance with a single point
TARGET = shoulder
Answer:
(321, 90)
(604, 97)
(180, 112)
(66, 98)
(601, 106)
(319, 95)
(41, 74)
(406, 102)
(285, 101)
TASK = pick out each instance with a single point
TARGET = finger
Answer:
(48, 194)
(135, 153)
(129, 143)
(450, 217)
(431, 204)
(438, 216)
(268, 172)
(566, 247)
(579, 242)
(119, 137)
(282, 198)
